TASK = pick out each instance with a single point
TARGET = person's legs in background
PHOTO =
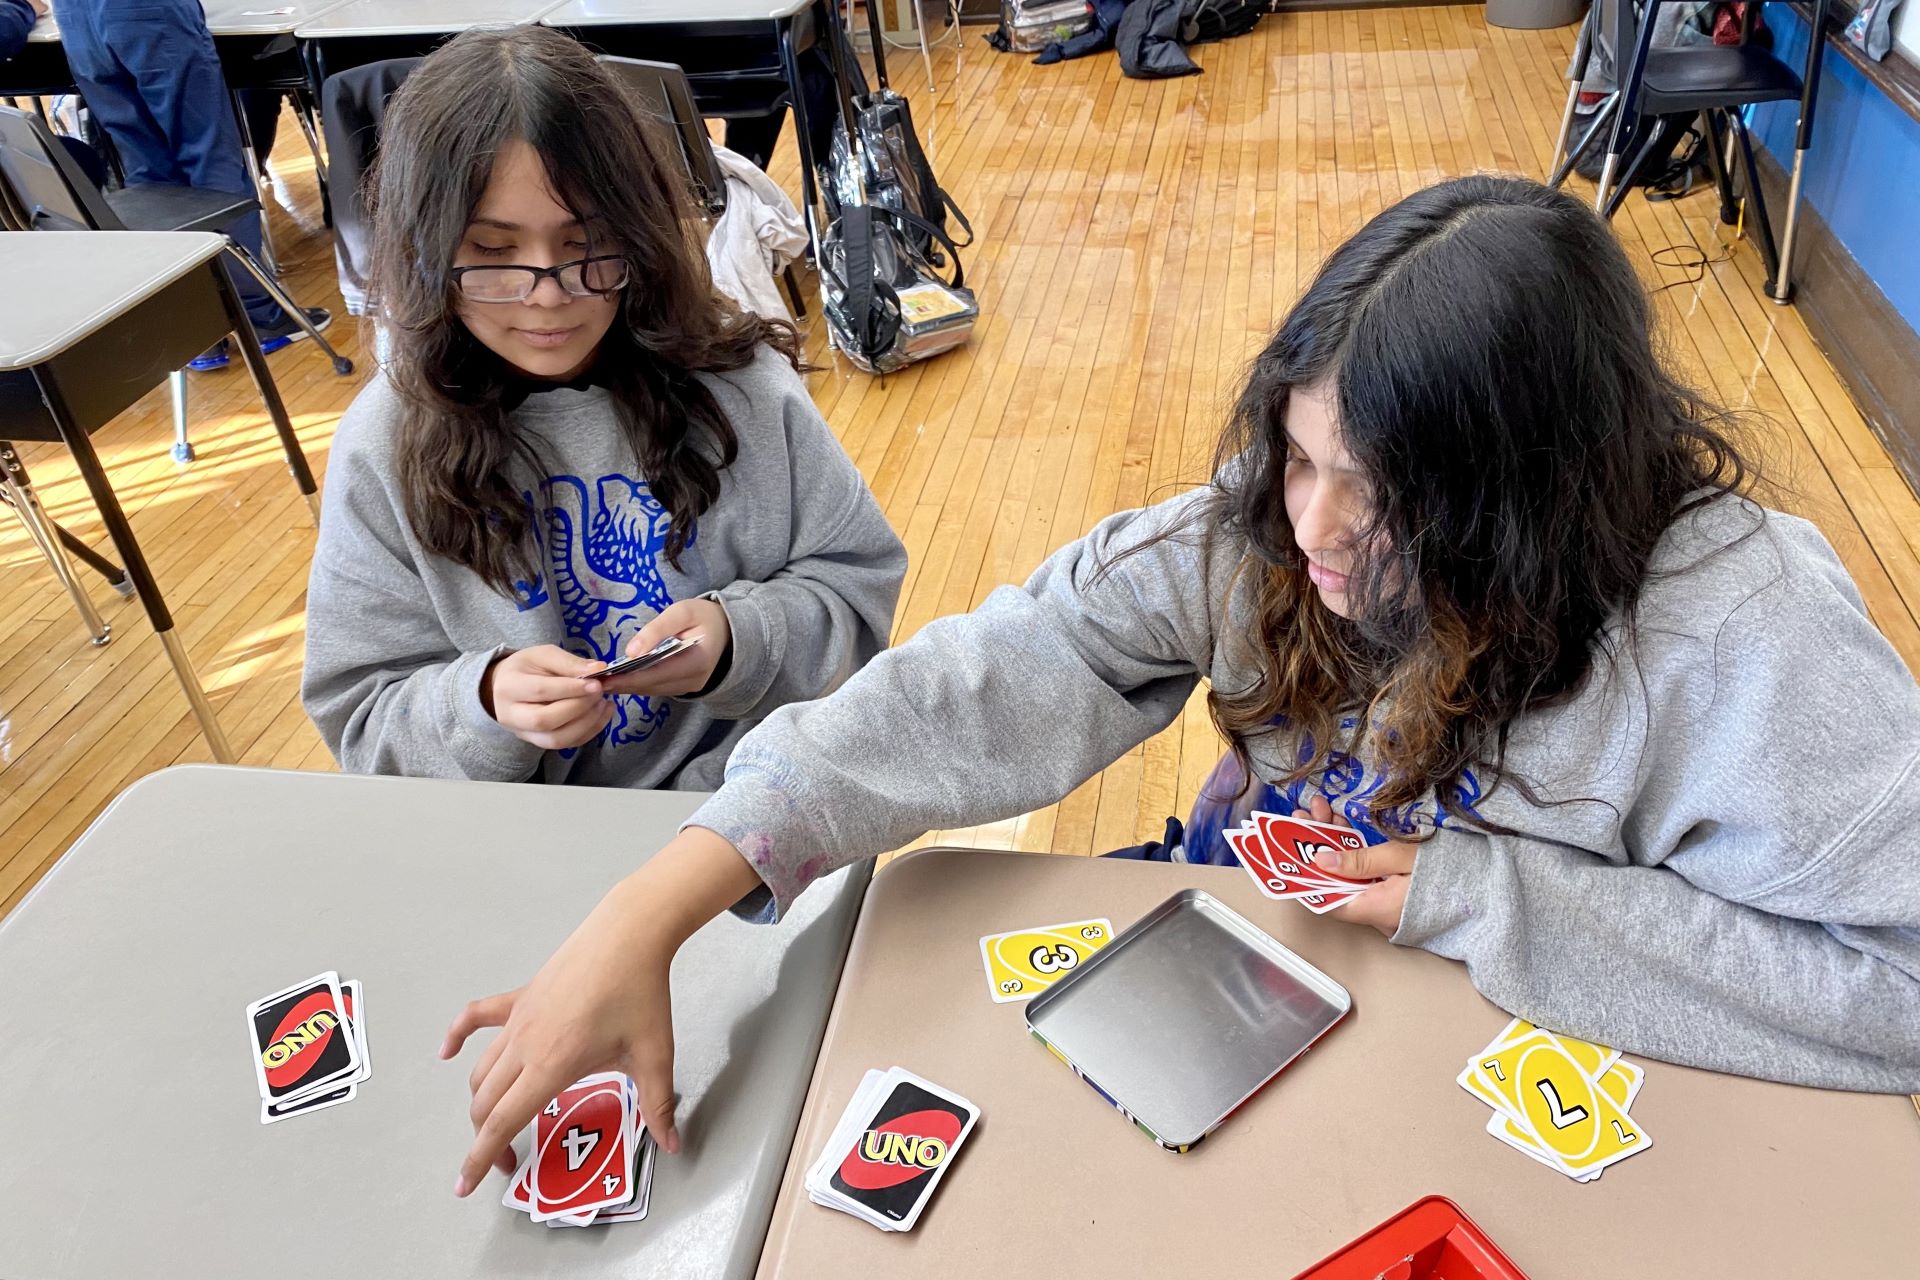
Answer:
(163, 50)
(113, 95)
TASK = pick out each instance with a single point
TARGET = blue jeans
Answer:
(148, 71)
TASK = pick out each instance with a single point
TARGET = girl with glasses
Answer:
(576, 452)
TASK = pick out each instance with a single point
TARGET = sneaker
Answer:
(217, 356)
(288, 331)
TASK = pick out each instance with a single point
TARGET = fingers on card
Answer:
(1025, 962)
(1563, 1102)
(589, 1160)
(1284, 857)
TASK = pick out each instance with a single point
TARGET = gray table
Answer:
(264, 17)
(132, 1138)
(367, 18)
(600, 13)
(101, 318)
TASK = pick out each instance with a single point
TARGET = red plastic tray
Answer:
(1430, 1239)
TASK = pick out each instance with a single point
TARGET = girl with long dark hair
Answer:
(576, 451)
(1473, 565)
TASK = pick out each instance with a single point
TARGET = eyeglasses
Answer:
(586, 278)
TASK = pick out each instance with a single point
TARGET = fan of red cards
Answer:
(1283, 857)
(591, 1160)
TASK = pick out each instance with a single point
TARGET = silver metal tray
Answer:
(1184, 1016)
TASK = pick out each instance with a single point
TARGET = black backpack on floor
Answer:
(1205, 20)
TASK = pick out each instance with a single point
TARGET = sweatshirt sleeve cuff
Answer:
(758, 644)
(480, 747)
(769, 827)
(1444, 897)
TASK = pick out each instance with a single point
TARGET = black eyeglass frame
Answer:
(537, 274)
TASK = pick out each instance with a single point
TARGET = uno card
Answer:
(640, 662)
(635, 1208)
(1285, 880)
(1543, 1088)
(301, 1040)
(899, 1155)
(1295, 840)
(1025, 962)
(581, 1142)
(272, 1113)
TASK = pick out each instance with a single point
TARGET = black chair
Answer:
(664, 92)
(41, 188)
(1716, 82)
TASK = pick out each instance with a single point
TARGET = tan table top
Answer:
(1744, 1179)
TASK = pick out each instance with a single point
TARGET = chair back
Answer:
(45, 189)
(665, 96)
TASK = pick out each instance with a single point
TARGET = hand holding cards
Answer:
(891, 1148)
(640, 662)
(309, 1046)
(1282, 856)
(590, 1161)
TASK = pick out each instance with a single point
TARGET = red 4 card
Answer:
(581, 1142)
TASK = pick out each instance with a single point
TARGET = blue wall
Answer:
(1863, 166)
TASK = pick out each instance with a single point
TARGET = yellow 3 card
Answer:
(1543, 1088)
(1025, 962)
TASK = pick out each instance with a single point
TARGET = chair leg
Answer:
(1710, 143)
(1756, 199)
(1576, 74)
(341, 365)
(1783, 274)
(793, 292)
(26, 505)
(1613, 194)
(1556, 176)
(258, 172)
(303, 110)
(1602, 121)
(182, 447)
(926, 52)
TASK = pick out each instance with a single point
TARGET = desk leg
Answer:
(121, 532)
(249, 345)
(803, 134)
(19, 494)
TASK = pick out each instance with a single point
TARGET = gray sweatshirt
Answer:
(795, 549)
(1732, 882)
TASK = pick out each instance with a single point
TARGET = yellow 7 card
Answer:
(1025, 962)
(1583, 1127)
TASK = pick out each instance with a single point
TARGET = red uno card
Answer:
(581, 1145)
(1299, 842)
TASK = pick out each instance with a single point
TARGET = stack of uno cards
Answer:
(887, 1154)
(591, 1161)
(1562, 1101)
(309, 1046)
(1025, 962)
(1281, 854)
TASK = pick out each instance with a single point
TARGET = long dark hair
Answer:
(456, 450)
(1488, 354)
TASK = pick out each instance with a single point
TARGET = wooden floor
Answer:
(1137, 240)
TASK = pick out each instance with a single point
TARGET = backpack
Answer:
(885, 305)
(1206, 20)
(892, 165)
